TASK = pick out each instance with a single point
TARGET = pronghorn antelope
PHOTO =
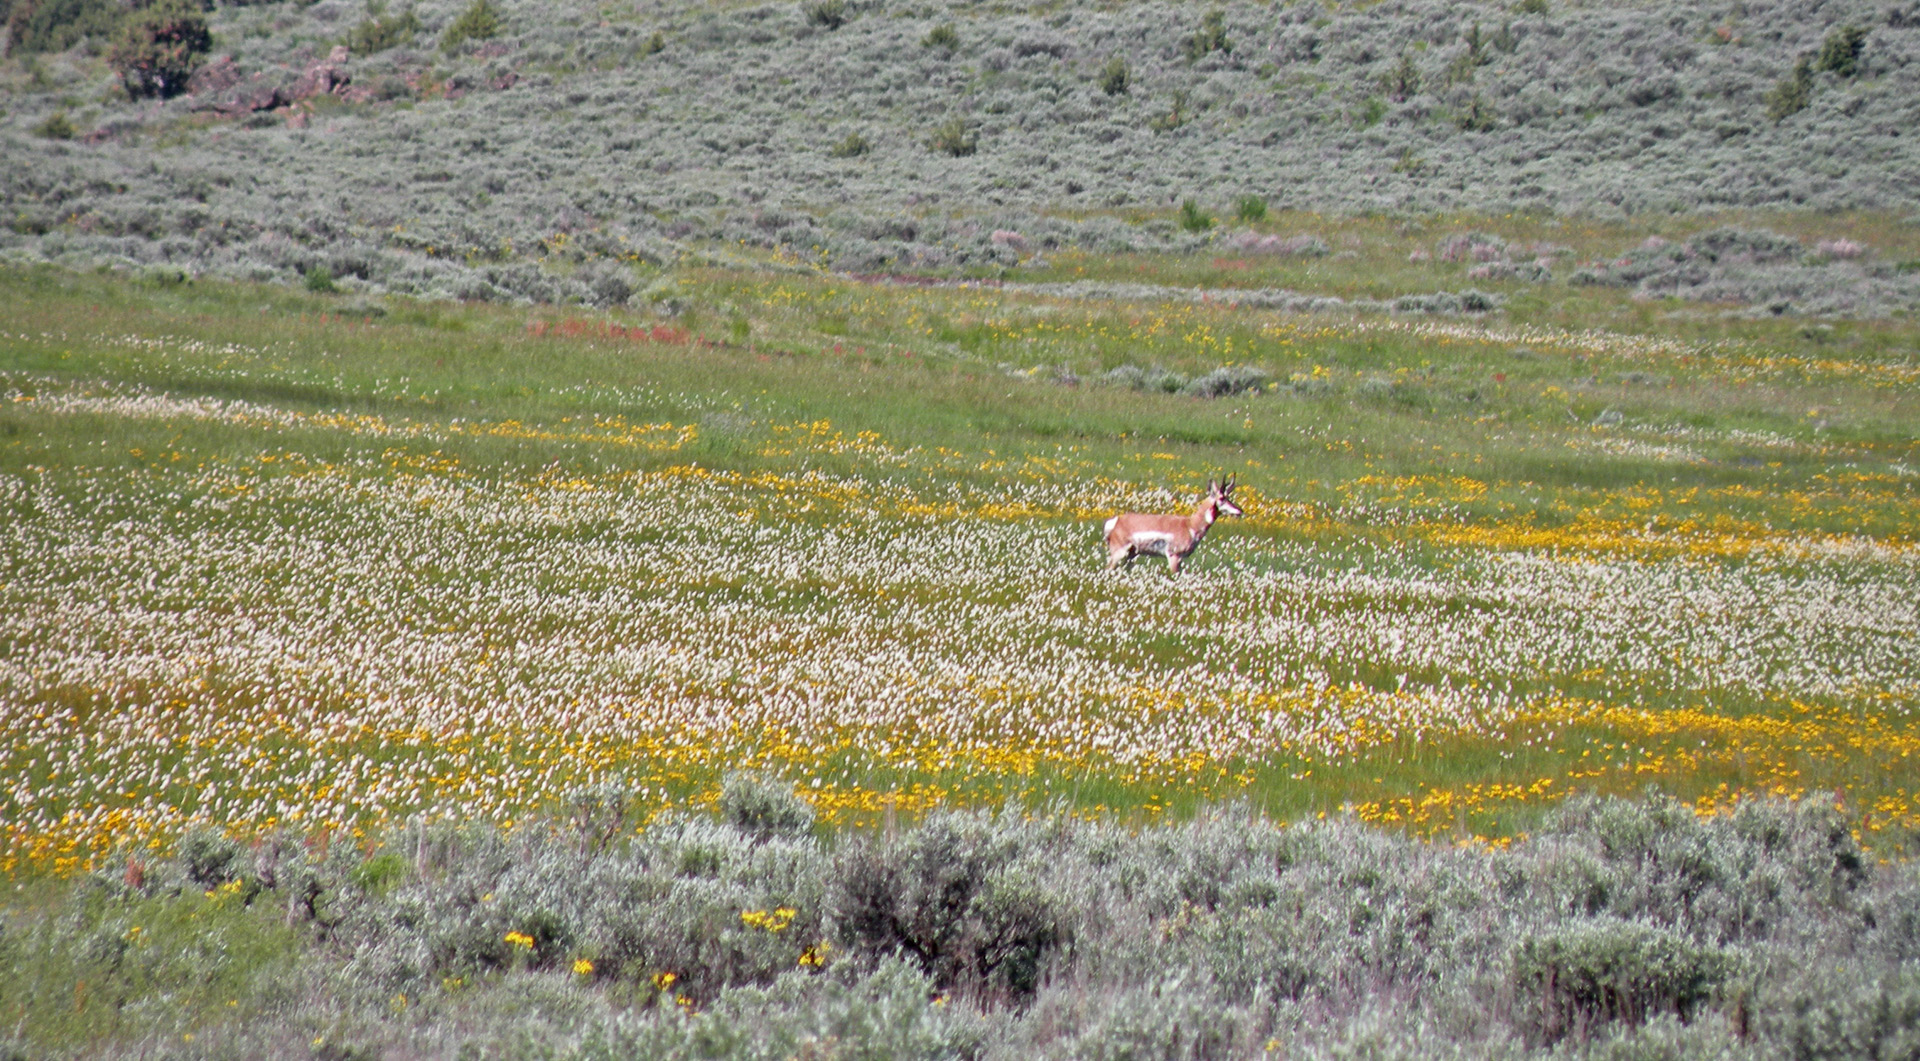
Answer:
(1134, 534)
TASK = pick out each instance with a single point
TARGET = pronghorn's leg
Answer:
(1173, 562)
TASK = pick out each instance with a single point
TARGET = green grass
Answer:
(451, 434)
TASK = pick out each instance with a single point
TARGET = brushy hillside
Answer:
(551, 151)
(1620, 930)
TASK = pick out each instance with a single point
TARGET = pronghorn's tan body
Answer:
(1134, 534)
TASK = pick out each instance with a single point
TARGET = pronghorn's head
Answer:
(1221, 494)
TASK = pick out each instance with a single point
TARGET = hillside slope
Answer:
(587, 133)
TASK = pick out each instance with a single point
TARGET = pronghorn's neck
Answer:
(1203, 518)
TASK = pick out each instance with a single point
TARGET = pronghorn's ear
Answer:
(1213, 486)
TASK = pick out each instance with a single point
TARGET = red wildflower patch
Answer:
(584, 329)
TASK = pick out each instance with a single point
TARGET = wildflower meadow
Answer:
(575, 530)
(314, 601)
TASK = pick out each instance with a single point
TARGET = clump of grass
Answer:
(853, 145)
(1193, 217)
(1251, 208)
(944, 37)
(827, 14)
(1115, 76)
(57, 126)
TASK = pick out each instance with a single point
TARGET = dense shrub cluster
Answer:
(1621, 926)
(635, 133)
(1775, 273)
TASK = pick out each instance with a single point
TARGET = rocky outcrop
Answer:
(220, 85)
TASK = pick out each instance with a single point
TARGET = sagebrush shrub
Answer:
(1228, 379)
(962, 897)
(764, 808)
(1577, 979)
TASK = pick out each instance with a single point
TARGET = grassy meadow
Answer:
(280, 559)
(738, 675)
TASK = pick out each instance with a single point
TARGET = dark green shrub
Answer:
(1531, 7)
(319, 280)
(57, 127)
(1477, 46)
(1372, 111)
(479, 22)
(956, 898)
(944, 37)
(159, 48)
(1115, 76)
(1477, 117)
(1575, 980)
(1251, 208)
(1840, 52)
(1403, 81)
(655, 44)
(1175, 117)
(377, 33)
(55, 25)
(1792, 93)
(827, 14)
(1210, 37)
(853, 145)
(952, 137)
(209, 857)
(764, 809)
(1193, 218)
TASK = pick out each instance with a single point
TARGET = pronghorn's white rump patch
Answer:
(1110, 522)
